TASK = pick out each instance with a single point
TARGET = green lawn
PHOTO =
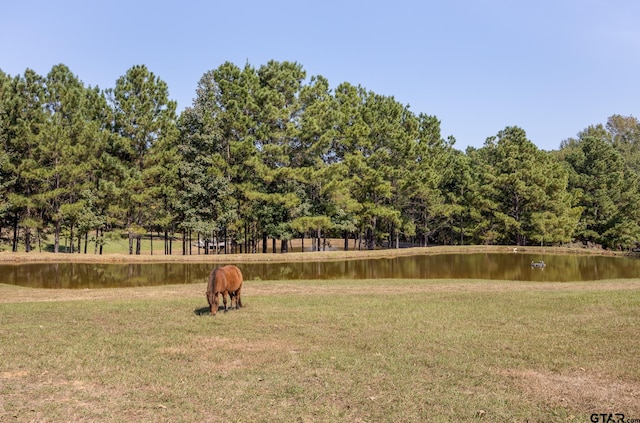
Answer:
(325, 351)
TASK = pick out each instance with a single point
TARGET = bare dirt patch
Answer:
(13, 375)
(580, 391)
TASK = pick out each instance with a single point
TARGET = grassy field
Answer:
(323, 351)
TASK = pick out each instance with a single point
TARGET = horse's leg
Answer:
(238, 300)
(224, 300)
(214, 304)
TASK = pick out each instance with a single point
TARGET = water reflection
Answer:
(560, 268)
(80, 275)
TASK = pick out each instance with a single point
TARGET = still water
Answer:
(559, 268)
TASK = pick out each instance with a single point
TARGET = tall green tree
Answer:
(327, 203)
(483, 204)
(67, 148)
(349, 165)
(143, 116)
(459, 188)
(428, 209)
(163, 184)
(276, 188)
(605, 188)
(7, 175)
(105, 193)
(205, 153)
(237, 110)
(23, 117)
(531, 191)
(625, 137)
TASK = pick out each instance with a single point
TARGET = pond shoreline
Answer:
(37, 257)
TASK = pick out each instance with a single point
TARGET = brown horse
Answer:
(225, 280)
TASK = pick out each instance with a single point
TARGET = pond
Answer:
(559, 268)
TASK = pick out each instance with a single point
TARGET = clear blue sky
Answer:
(552, 67)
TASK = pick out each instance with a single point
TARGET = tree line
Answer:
(267, 153)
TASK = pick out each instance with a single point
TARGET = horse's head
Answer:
(217, 285)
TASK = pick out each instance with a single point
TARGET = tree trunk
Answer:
(15, 233)
(163, 236)
(246, 239)
(184, 241)
(27, 240)
(71, 251)
(369, 239)
(56, 238)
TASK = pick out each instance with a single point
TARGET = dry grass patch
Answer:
(579, 390)
(46, 392)
(222, 356)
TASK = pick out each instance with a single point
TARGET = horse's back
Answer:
(233, 276)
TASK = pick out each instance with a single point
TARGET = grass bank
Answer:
(120, 256)
(323, 351)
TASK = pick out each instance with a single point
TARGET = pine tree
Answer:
(529, 190)
(67, 145)
(275, 191)
(23, 117)
(606, 190)
(143, 116)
